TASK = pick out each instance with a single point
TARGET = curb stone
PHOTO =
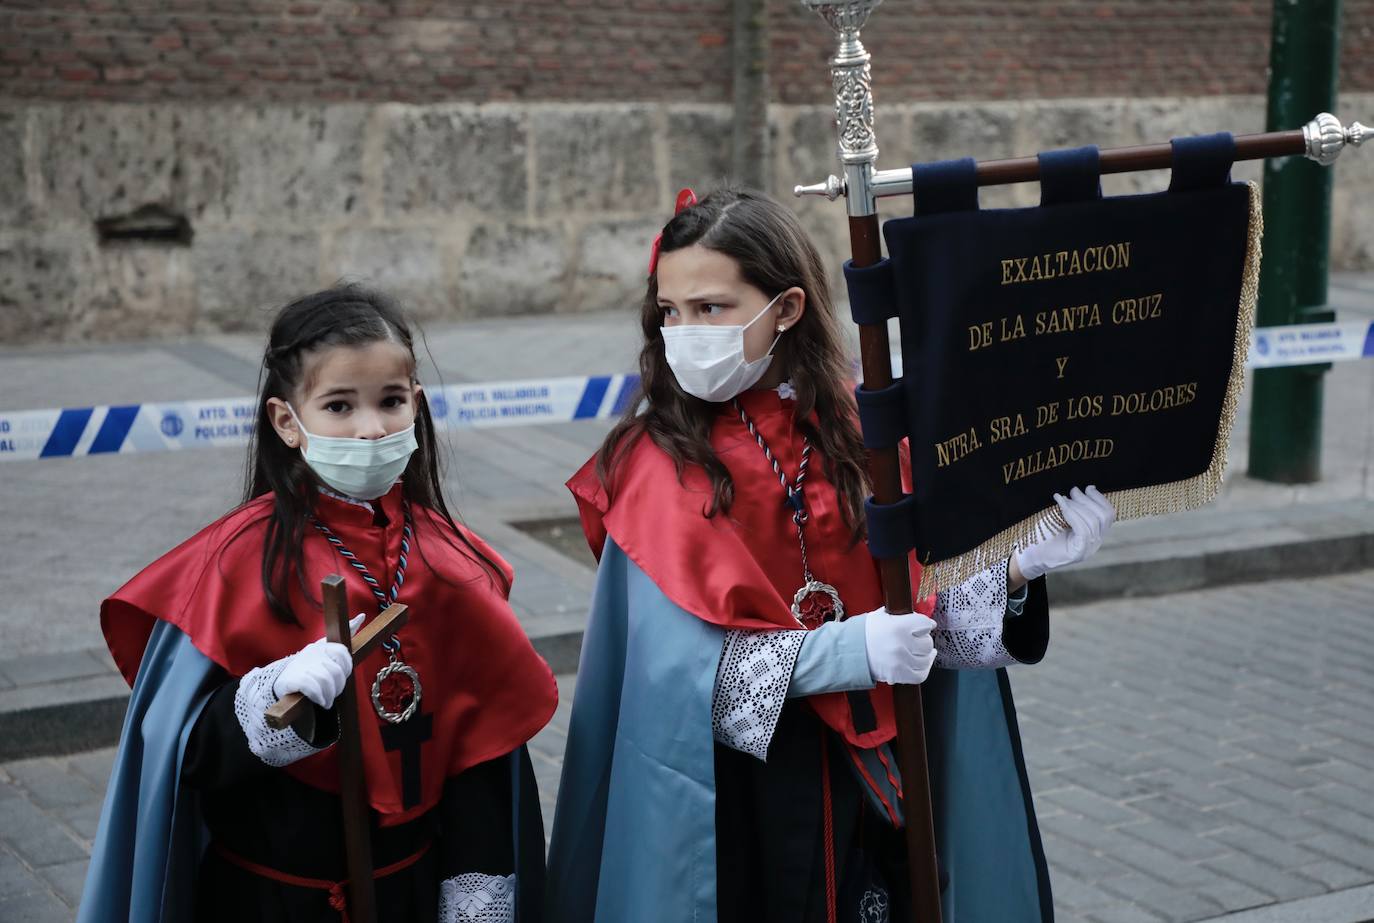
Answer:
(94, 720)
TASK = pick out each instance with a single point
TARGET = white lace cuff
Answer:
(476, 898)
(968, 623)
(751, 687)
(251, 701)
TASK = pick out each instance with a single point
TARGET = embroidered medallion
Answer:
(817, 603)
(396, 691)
(873, 907)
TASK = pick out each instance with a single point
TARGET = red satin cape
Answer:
(484, 686)
(740, 570)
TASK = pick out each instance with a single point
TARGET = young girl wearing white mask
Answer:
(729, 754)
(211, 814)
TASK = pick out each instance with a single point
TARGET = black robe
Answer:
(770, 860)
(265, 816)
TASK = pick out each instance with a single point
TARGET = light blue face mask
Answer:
(360, 468)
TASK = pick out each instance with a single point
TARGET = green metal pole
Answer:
(1285, 416)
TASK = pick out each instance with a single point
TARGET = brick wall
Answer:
(650, 50)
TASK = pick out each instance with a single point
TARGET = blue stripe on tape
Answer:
(118, 422)
(1369, 341)
(592, 397)
(627, 391)
(66, 433)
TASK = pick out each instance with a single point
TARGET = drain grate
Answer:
(562, 535)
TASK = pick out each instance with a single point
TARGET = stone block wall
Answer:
(466, 210)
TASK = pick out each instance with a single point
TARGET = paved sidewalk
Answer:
(84, 525)
(78, 527)
(1192, 755)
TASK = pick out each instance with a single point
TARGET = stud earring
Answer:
(781, 327)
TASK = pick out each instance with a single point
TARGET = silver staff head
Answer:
(848, 16)
(852, 79)
(1326, 137)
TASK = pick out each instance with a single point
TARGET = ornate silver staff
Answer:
(862, 184)
(858, 152)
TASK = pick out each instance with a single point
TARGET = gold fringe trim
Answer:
(1138, 502)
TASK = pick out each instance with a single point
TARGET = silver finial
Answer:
(1326, 137)
(832, 188)
(853, 83)
(843, 17)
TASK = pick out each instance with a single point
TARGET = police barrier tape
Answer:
(168, 427)
(1304, 344)
(29, 434)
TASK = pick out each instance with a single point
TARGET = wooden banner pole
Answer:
(858, 151)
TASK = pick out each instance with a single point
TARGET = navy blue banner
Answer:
(1086, 341)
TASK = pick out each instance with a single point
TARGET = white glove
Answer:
(1089, 514)
(319, 670)
(900, 649)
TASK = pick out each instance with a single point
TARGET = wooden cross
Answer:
(295, 708)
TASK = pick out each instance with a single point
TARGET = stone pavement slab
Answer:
(1353, 906)
(78, 527)
(1203, 753)
(1200, 757)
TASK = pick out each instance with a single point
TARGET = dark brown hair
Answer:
(773, 253)
(346, 315)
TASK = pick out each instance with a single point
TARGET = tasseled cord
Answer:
(828, 815)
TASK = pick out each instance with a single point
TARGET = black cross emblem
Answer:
(407, 737)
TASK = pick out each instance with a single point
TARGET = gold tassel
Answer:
(1136, 503)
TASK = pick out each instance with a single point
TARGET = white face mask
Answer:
(360, 468)
(709, 361)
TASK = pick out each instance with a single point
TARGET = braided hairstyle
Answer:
(346, 315)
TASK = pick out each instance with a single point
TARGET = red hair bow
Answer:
(686, 198)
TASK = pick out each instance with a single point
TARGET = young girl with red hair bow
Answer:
(729, 755)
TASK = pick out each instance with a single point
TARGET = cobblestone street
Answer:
(1192, 755)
